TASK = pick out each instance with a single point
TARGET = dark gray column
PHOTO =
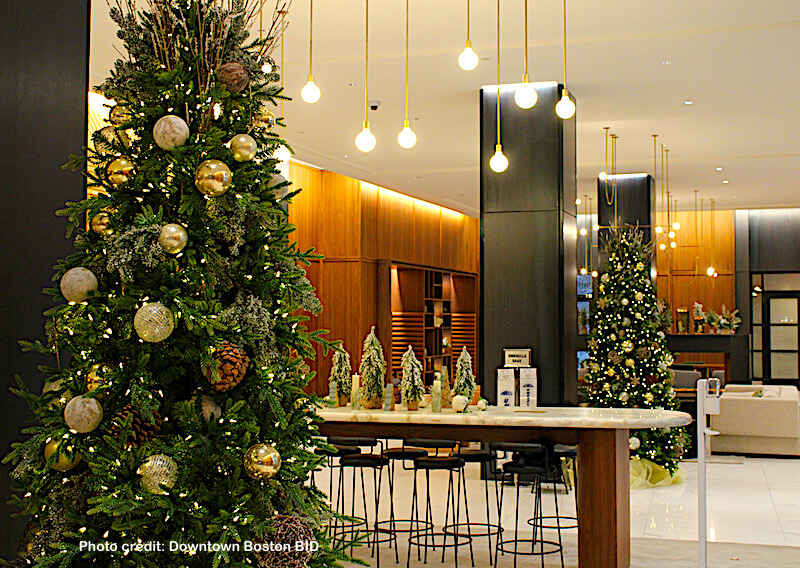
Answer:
(742, 270)
(44, 58)
(528, 242)
(632, 204)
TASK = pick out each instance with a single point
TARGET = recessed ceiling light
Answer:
(688, 102)
(724, 181)
(666, 63)
(719, 169)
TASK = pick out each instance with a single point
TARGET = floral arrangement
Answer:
(727, 320)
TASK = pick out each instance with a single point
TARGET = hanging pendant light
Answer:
(310, 92)
(406, 138)
(282, 154)
(365, 141)
(565, 108)
(468, 60)
(526, 95)
(498, 161)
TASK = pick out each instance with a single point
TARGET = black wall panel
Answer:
(774, 240)
(43, 115)
(528, 240)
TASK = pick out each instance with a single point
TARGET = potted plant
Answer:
(465, 378)
(728, 321)
(411, 384)
(373, 372)
(583, 320)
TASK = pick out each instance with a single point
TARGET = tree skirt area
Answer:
(645, 553)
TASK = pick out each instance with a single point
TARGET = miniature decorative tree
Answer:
(181, 415)
(465, 378)
(411, 386)
(341, 375)
(628, 357)
(372, 371)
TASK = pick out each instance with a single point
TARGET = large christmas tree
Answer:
(181, 415)
(629, 363)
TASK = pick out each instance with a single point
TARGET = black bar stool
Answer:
(426, 537)
(361, 461)
(535, 461)
(561, 455)
(487, 529)
(400, 454)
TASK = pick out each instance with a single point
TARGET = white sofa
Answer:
(767, 424)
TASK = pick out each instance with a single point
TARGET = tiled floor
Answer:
(756, 501)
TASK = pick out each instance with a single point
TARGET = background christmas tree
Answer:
(465, 378)
(628, 357)
(181, 414)
(411, 384)
(372, 371)
(341, 373)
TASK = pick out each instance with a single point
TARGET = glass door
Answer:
(780, 336)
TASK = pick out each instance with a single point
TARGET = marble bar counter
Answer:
(601, 435)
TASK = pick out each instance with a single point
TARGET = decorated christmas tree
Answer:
(341, 374)
(175, 411)
(629, 363)
(465, 378)
(411, 384)
(372, 371)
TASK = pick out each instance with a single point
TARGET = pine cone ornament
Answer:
(289, 531)
(232, 362)
(142, 430)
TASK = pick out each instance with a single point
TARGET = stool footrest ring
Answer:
(563, 527)
(507, 547)
(457, 529)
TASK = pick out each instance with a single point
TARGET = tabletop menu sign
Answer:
(517, 357)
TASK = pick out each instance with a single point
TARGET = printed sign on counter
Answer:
(517, 357)
(528, 387)
(506, 388)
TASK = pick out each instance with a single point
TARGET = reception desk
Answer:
(603, 455)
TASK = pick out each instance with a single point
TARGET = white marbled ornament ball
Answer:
(460, 403)
(243, 147)
(634, 443)
(153, 322)
(83, 414)
(77, 284)
(173, 238)
(170, 131)
(158, 470)
(211, 410)
(483, 404)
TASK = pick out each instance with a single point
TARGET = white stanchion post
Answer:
(707, 404)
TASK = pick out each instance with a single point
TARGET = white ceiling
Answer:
(736, 60)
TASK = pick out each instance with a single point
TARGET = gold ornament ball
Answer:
(96, 377)
(77, 284)
(101, 224)
(243, 147)
(213, 178)
(153, 322)
(120, 170)
(266, 120)
(64, 462)
(173, 238)
(262, 461)
(119, 115)
(158, 470)
(83, 414)
(108, 136)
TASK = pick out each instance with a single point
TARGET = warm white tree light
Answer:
(310, 92)
(498, 162)
(710, 271)
(676, 225)
(659, 229)
(365, 141)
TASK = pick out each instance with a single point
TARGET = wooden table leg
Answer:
(603, 499)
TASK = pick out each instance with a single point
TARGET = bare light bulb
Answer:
(365, 141)
(583, 232)
(594, 274)
(578, 201)
(672, 234)
(310, 92)
(596, 227)
(673, 244)
(602, 175)
(676, 225)
(526, 96)
(584, 271)
(565, 108)
(662, 246)
(407, 138)
(468, 60)
(266, 67)
(659, 229)
(498, 162)
(710, 271)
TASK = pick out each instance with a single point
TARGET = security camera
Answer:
(374, 105)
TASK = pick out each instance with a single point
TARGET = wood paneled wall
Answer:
(358, 226)
(703, 241)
